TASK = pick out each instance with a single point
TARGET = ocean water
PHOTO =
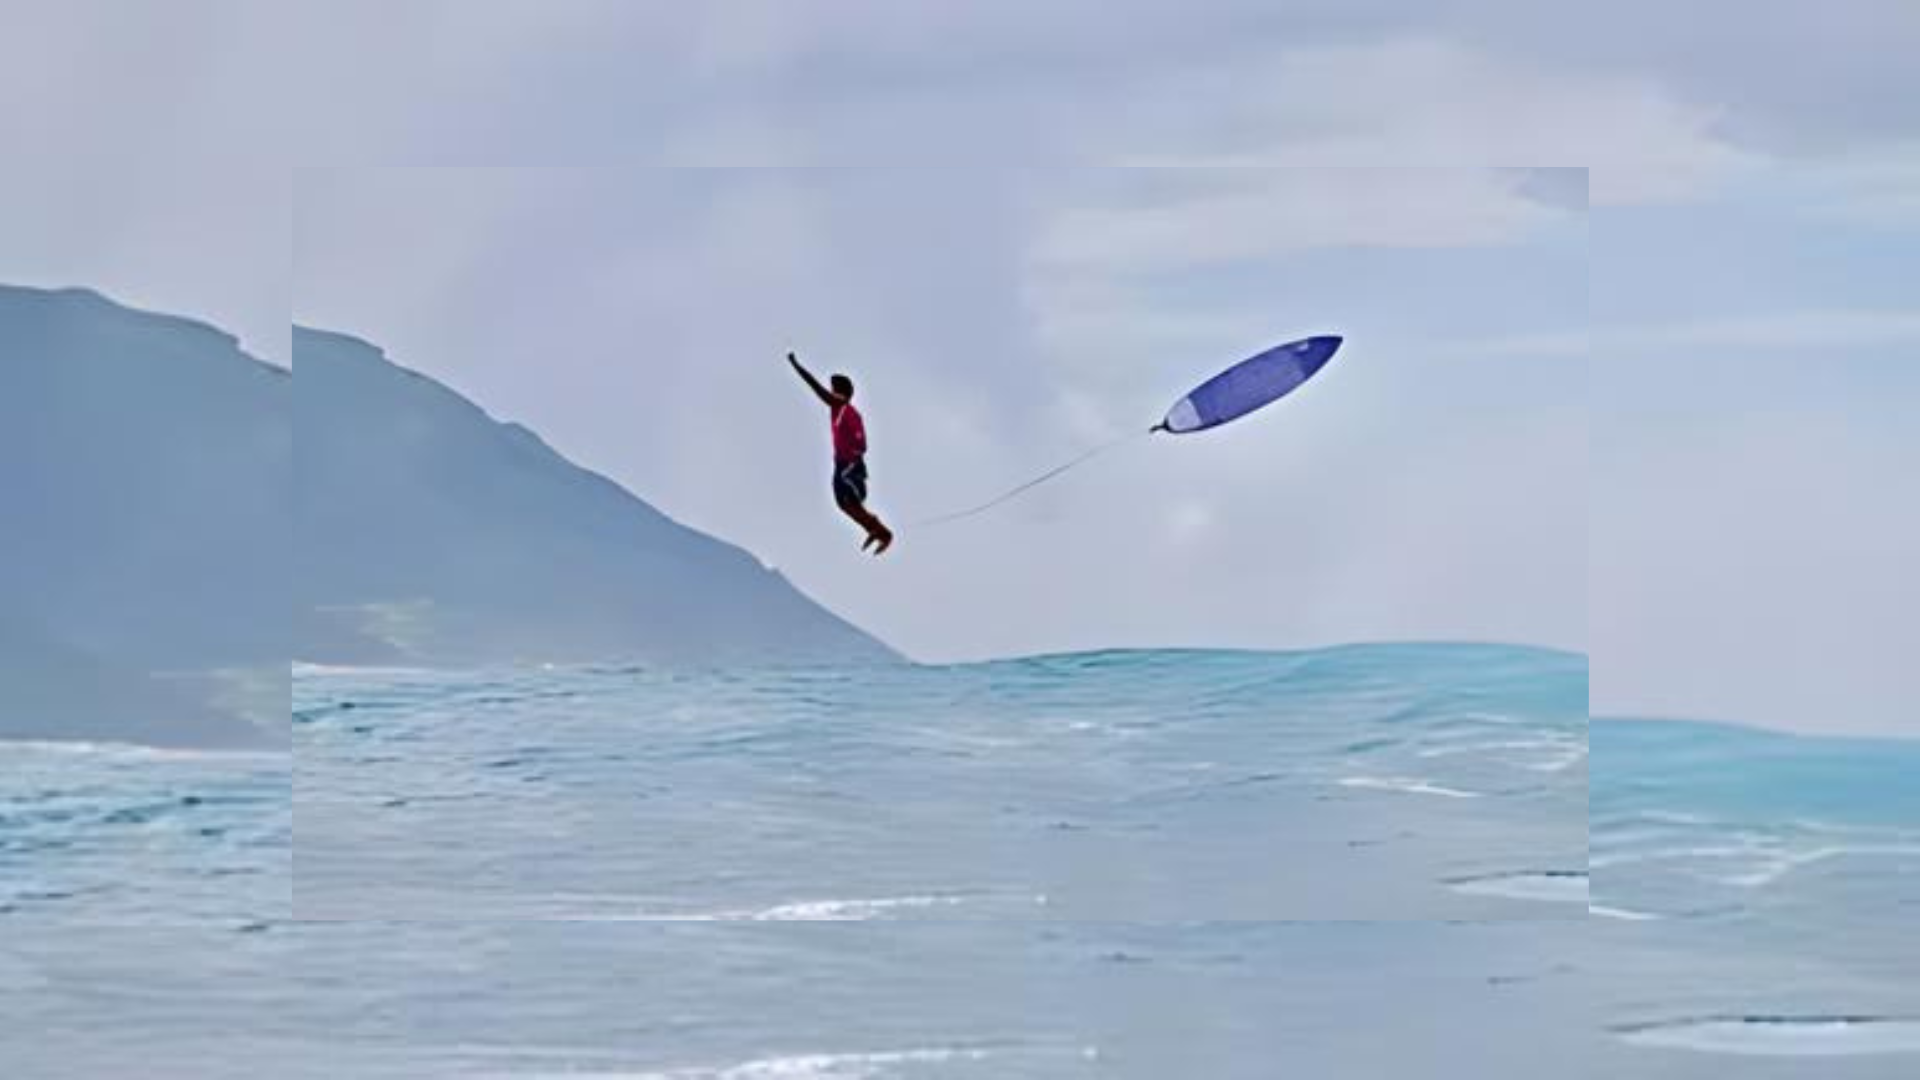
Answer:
(124, 836)
(1365, 783)
(874, 1000)
(1362, 862)
(1757, 898)
(1060, 867)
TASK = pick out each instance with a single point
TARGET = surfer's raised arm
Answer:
(825, 394)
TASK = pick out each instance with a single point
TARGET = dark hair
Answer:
(841, 385)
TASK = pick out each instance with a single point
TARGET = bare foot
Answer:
(886, 541)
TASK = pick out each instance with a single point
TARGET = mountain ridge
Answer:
(145, 460)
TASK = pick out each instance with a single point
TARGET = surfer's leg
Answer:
(850, 494)
(879, 537)
(862, 517)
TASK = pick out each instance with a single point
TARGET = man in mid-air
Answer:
(849, 456)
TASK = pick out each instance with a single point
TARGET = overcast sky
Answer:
(1756, 376)
(1753, 165)
(1000, 321)
(209, 243)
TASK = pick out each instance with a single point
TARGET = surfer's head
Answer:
(842, 386)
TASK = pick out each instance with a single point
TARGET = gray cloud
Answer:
(1781, 77)
(1561, 187)
(1628, 85)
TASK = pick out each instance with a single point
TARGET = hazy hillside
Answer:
(144, 465)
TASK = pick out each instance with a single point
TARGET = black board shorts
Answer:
(850, 481)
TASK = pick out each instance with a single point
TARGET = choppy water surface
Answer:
(128, 836)
(1759, 898)
(802, 1001)
(630, 874)
(1360, 783)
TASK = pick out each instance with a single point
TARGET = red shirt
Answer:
(849, 434)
